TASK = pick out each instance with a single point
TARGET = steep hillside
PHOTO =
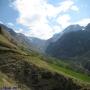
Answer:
(5, 39)
(16, 39)
(71, 45)
(22, 41)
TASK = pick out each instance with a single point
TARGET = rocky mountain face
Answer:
(72, 28)
(74, 42)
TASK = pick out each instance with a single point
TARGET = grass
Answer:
(6, 45)
(80, 77)
(8, 82)
(5, 42)
(5, 81)
(67, 72)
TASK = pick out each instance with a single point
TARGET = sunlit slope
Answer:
(5, 42)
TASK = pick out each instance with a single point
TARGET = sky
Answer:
(43, 18)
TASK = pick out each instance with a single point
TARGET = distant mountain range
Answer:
(73, 41)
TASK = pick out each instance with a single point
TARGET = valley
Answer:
(30, 70)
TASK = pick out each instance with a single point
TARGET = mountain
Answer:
(38, 44)
(74, 41)
(73, 46)
(72, 28)
(41, 45)
(87, 28)
(24, 42)
(55, 37)
(26, 70)
(18, 39)
(72, 37)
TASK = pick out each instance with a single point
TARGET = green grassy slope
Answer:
(59, 69)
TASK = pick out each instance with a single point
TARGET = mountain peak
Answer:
(72, 28)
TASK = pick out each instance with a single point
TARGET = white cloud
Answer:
(57, 29)
(42, 30)
(35, 14)
(10, 24)
(83, 22)
(66, 5)
(64, 20)
(75, 8)
(19, 31)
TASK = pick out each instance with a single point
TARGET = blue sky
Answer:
(43, 18)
